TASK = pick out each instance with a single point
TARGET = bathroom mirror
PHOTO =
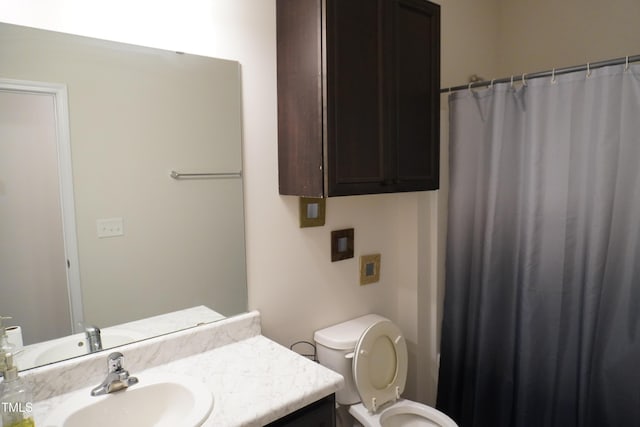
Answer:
(149, 245)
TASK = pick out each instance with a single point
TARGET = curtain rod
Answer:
(548, 73)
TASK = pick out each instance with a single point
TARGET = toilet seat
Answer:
(380, 364)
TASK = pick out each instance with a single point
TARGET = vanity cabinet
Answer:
(358, 96)
(321, 413)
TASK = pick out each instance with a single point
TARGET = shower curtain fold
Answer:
(542, 298)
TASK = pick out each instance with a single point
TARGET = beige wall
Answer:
(469, 38)
(543, 34)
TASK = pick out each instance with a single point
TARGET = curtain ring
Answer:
(524, 81)
(553, 76)
(511, 82)
(626, 63)
(469, 88)
(491, 85)
(588, 69)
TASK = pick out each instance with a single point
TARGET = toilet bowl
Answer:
(403, 413)
(371, 354)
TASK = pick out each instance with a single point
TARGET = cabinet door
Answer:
(355, 134)
(358, 96)
(415, 76)
(321, 413)
(300, 93)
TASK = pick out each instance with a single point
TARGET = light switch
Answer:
(110, 227)
(312, 211)
(343, 244)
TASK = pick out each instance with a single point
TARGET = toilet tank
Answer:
(334, 347)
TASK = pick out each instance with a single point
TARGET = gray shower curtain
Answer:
(541, 321)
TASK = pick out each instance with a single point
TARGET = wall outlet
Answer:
(110, 227)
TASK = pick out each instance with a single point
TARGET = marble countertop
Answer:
(254, 381)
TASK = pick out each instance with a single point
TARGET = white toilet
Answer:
(371, 354)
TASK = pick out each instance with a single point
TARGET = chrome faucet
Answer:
(117, 379)
(94, 340)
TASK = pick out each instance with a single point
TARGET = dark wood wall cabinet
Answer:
(358, 96)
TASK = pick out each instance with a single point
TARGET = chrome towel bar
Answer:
(210, 175)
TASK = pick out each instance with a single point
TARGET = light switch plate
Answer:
(110, 227)
(312, 212)
(369, 269)
(342, 244)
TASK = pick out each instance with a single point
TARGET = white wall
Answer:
(290, 277)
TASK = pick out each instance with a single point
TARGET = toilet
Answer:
(371, 354)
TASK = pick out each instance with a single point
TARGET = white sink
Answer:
(157, 400)
(71, 346)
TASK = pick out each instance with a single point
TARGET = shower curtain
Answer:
(541, 323)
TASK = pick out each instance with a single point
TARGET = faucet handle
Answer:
(114, 361)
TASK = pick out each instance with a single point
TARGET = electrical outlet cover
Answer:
(110, 227)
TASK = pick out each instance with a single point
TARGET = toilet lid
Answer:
(380, 364)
